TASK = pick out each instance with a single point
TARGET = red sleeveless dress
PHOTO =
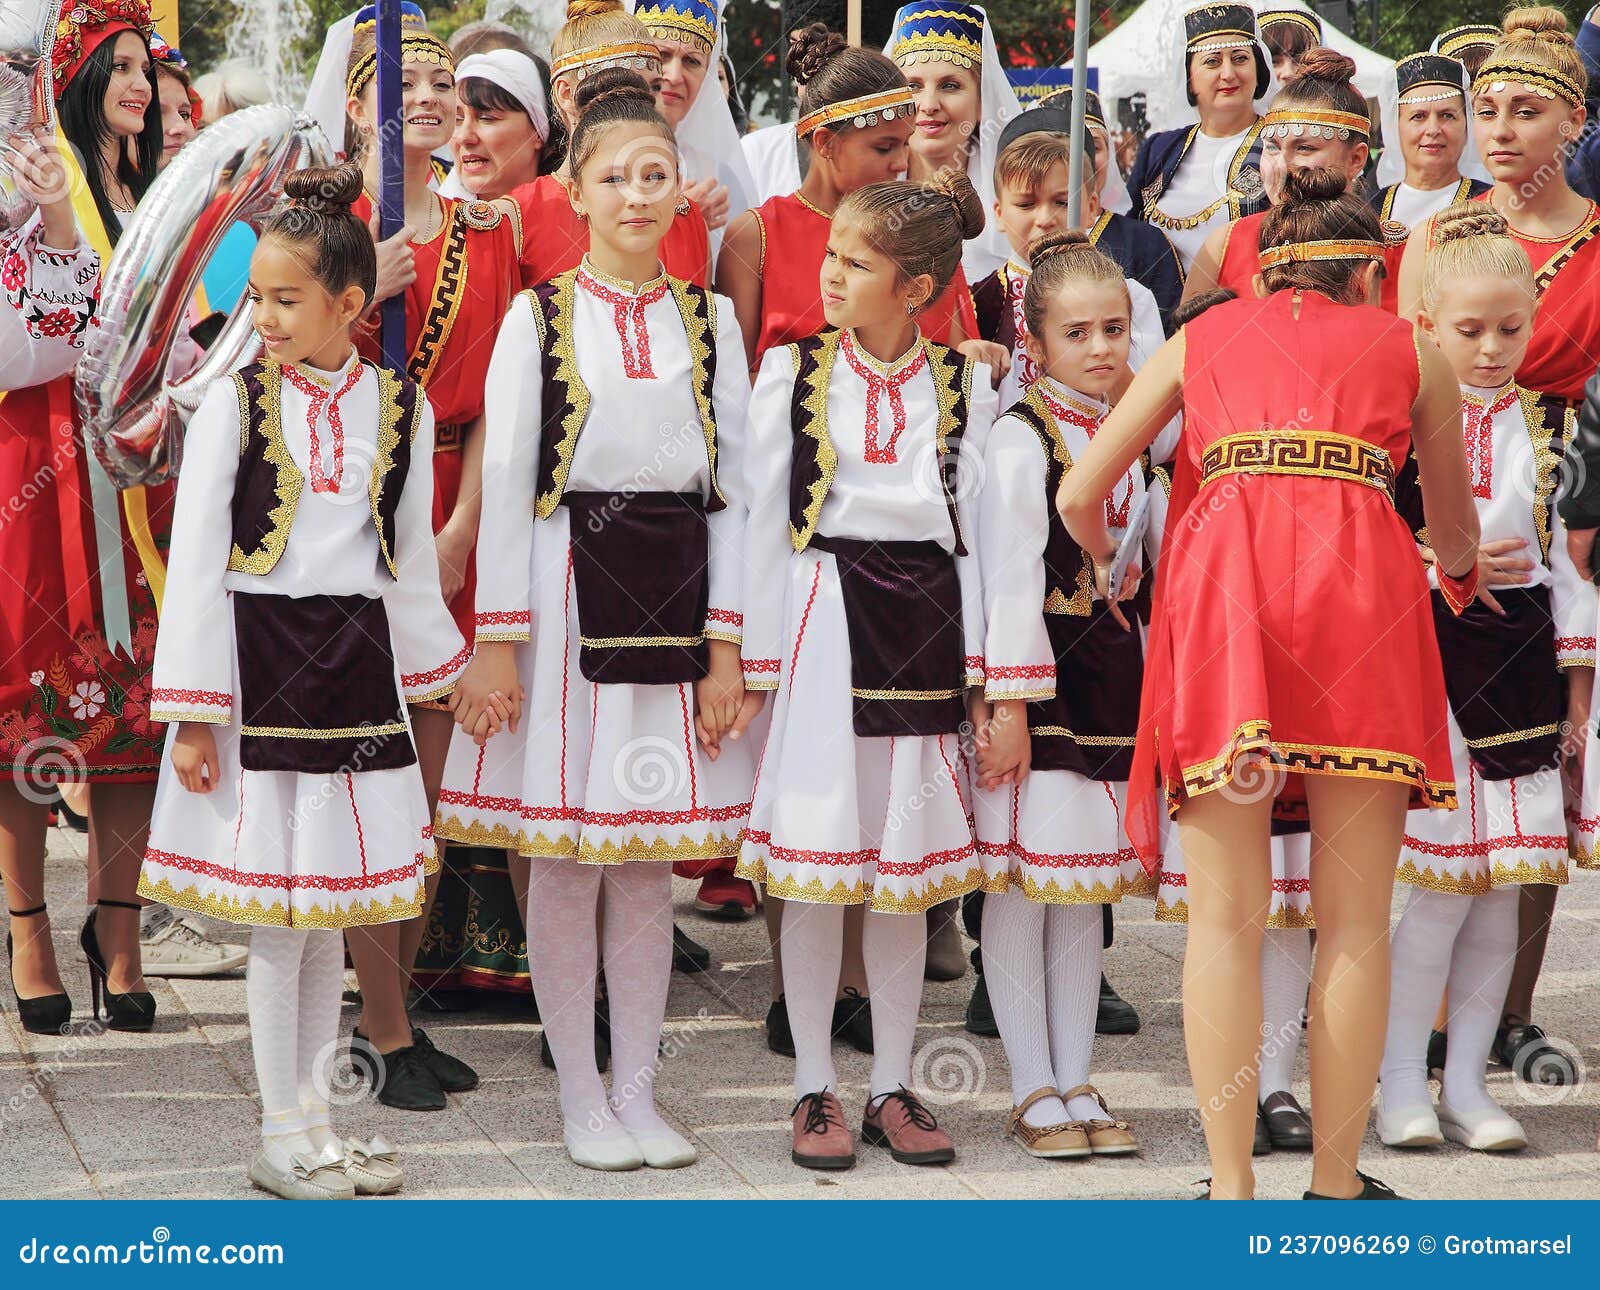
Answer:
(466, 278)
(794, 239)
(1565, 347)
(1292, 615)
(1241, 261)
(555, 239)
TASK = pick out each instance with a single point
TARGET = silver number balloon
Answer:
(133, 415)
(27, 35)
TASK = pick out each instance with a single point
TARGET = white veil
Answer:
(1179, 113)
(708, 140)
(1392, 162)
(326, 97)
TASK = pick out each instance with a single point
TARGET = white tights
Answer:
(894, 947)
(1470, 944)
(292, 988)
(1285, 978)
(636, 939)
(1042, 965)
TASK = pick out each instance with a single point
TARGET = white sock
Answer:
(563, 896)
(272, 999)
(1285, 978)
(1074, 939)
(813, 948)
(638, 957)
(895, 949)
(1419, 961)
(1480, 973)
(1013, 970)
(321, 984)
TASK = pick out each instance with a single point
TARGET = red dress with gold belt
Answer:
(557, 239)
(1241, 261)
(466, 278)
(794, 239)
(1292, 615)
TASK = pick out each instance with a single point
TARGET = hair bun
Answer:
(1468, 219)
(613, 84)
(1537, 22)
(954, 186)
(1324, 64)
(591, 8)
(1317, 184)
(1055, 243)
(811, 49)
(324, 190)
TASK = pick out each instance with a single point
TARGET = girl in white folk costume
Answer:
(612, 499)
(1064, 671)
(863, 610)
(1503, 665)
(303, 613)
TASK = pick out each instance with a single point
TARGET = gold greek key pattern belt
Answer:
(448, 438)
(1299, 452)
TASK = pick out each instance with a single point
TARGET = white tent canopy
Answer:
(1138, 56)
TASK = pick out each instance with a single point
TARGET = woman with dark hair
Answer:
(180, 105)
(502, 125)
(78, 609)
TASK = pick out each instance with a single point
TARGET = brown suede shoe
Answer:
(900, 1122)
(821, 1140)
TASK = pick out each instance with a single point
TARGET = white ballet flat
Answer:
(612, 1150)
(664, 1149)
(318, 1177)
(1411, 1126)
(1482, 1130)
(371, 1166)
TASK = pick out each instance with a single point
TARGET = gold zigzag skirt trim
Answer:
(1522, 874)
(1053, 893)
(718, 846)
(815, 892)
(1178, 912)
(233, 910)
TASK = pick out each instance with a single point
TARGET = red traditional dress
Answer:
(466, 277)
(69, 702)
(1241, 259)
(1292, 615)
(557, 239)
(791, 304)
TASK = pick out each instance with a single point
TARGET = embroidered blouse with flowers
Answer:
(864, 611)
(615, 420)
(1051, 643)
(298, 622)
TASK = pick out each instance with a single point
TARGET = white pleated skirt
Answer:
(1058, 838)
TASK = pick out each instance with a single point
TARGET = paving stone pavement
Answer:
(173, 1113)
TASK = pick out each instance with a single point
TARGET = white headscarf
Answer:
(326, 99)
(518, 76)
(772, 155)
(1392, 162)
(985, 253)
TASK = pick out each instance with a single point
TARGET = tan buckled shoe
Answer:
(1107, 1137)
(1062, 1141)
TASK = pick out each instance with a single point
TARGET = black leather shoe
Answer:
(45, 1014)
(779, 1037)
(980, 1013)
(688, 955)
(1288, 1125)
(1116, 1015)
(403, 1079)
(1438, 1047)
(1371, 1189)
(1532, 1057)
(1261, 1145)
(602, 1040)
(453, 1074)
(852, 1020)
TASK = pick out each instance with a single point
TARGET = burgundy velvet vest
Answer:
(991, 300)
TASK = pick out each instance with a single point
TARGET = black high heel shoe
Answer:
(135, 1010)
(49, 1014)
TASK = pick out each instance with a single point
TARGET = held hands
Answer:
(397, 267)
(488, 695)
(194, 757)
(1130, 588)
(1499, 565)
(712, 199)
(997, 356)
(1005, 750)
(721, 706)
(454, 542)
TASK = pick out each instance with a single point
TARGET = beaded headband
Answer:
(1297, 16)
(415, 47)
(1538, 79)
(1470, 36)
(635, 54)
(1209, 42)
(861, 112)
(1276, 257)
(1319, 123)
(688, 20)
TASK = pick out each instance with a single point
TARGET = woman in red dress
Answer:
(856, 110)
(456, 262)
(1317, 120)
(1527, 108)
(78, 609)
(598, 33)
(1292, 668)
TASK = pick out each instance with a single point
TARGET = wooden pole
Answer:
(852, 21)
(1080, 86)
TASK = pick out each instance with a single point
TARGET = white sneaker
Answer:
(1487, 1129)
(171, 945)
(611, 1149)
(664, 1149)
(1409, 1126)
